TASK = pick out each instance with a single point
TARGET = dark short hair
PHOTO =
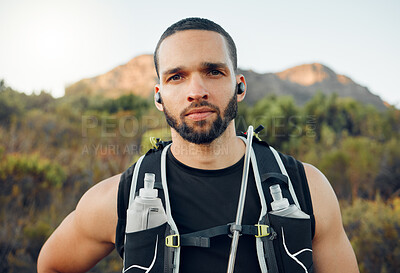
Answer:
(200, 24)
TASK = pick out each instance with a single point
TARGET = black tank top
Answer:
(202, 199)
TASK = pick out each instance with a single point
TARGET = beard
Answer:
(217, 127)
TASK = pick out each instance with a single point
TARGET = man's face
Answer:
(197, 83)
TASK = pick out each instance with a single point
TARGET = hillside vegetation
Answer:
(53, 150)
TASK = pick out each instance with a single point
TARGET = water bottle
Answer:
(280, 206)
(147, 210)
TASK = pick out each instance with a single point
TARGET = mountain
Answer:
(302, 82)
(138, 76)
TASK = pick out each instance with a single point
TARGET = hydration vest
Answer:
(283, 244)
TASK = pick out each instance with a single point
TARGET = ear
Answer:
(240, 78)
(158, 105)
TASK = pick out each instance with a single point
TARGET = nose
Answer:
(197, 90)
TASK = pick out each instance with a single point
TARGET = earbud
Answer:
(158, 97)
(240, 88)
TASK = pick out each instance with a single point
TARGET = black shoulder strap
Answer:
(298, 177)
(122, 205)
(270, 174)
(151, 163)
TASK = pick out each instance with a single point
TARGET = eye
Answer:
(215, 72)
(176, 77)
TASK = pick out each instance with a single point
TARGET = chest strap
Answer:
(202, 238)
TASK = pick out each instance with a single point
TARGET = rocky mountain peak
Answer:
(138, 76)
(310, 74)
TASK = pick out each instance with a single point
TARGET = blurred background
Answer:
(76, 107)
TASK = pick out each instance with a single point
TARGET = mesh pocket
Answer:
(293, 249)
(144, 250)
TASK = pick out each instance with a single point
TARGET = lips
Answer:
(199, 113)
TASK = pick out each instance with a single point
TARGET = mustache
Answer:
(199, 104)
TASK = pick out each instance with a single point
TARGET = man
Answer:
(198, 91)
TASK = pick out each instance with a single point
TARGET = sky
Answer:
(46, 45)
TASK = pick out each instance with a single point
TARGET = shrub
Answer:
(373, 228)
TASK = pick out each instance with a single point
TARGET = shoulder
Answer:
(330, 244)
(97, 210)
(320, 188)
(324, 200)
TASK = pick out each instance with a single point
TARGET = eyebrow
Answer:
(172, 70)
(208, 65)
(204, 65)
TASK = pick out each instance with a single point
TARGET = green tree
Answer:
(10, 105)
(363, 164)
(335, 164)
(280, 117)
(387, 181)
(316, 108)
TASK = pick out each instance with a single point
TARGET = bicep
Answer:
(86, 235)
(332, 251)
(71, 250)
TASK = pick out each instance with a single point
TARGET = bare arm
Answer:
(86, 235)
(332, 251)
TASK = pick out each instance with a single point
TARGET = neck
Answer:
(223, 152)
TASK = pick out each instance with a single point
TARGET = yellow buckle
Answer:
(173, 240)
(263, 230)
(154, 142)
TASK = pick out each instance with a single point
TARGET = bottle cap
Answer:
(149, 177)
(279, 202)
(148, 191)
